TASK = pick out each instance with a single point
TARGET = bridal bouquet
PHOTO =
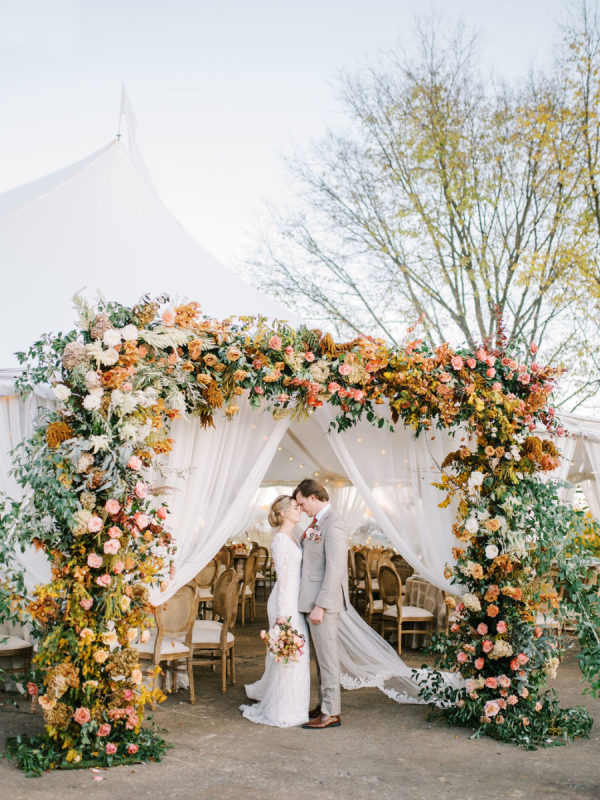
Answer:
(284, 642)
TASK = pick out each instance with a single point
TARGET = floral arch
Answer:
(126, 372)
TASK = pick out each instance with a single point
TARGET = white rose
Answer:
(109, 357)
(476, 478)
(92, 401)
(62, 392)
(129, 333)
(491, 551)
(471, 525)
(111, 338)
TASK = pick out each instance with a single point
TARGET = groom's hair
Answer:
(308, 487)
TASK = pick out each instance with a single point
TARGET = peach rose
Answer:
(146, 635)
(462, 658)
(118, 567)
(445, 377)
(82, 715)
(491, 683)
(100, 656)
(234, 354)
(259, 390)
(496, 386)
(112, 547)
(479, 662)
(94, 524)
(504, 681)
(493, 610)
(141, 490)
(471, 363)
(114, 532)
(132, 749)
(487, 646)
(141, 520)
(111, 747)
(112, 506)
(161, 513)
(309, 356)
(275, 342)
(514, 664)
(168, 317)
(345, 369)
(512, 700)
(94, 560)
(538, 706)
(104, 729)
(490, 372)
(538, 632)
(491, 708)
(136, 676)
(128, 694)
(134, 463)
(86, 602)
(455, 627)
(457, 362)
(482, 629)
(481, 354)
(104, 580)
(523, 378)
(501, 626)
(522, 659)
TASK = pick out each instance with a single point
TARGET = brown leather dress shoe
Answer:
(324, 721)
(315, 712)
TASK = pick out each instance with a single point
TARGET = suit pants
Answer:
(324, 639)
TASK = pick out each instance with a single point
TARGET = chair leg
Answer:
(232, 656)
(223, 672)
(243, 610)
(191, 680)
(399, 640)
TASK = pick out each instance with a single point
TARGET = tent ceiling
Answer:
(99, 224)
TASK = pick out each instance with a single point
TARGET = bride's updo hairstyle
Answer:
(278, 508)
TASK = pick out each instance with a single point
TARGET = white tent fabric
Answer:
(99, 224)
(394, 471)
(213, 475)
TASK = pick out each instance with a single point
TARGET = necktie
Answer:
(313, 522)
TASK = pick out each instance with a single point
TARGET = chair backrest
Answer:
(390, 585)
(262, 556)
(177, 615)
(403, 568)
(206, 577)
(361, 565)
(231, 606)
(373, 557)
(421, 593)
(220, 590)
(250, 569)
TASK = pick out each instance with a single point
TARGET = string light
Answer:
(359, 439)
(383, 452)
(291, 458)
(316, 474)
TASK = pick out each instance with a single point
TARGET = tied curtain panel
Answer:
(211, 477)
(394, 471)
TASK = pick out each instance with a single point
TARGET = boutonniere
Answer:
(314, 533)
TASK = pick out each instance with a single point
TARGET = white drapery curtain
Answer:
(393, 471)
(212, 477)
(591, 488)
(17, 417)
(349, 504)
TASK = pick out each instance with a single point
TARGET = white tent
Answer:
(99, 224)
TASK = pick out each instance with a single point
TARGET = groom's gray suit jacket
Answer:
(324, 579)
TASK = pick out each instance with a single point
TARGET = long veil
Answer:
(367, 660)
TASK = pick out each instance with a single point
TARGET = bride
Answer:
(283, 691)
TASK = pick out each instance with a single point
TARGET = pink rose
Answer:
(524, 692)
(104, 580)
(289, 350)
(141, 490)
(309, 356)
(259, 390)
(134, 463)
(162, 513)
(514, 664)
(141, 520)
(462, 658)
(491, 372)
(333, 387)
(491, 683)
(487, 646)
(94, 524)
(479, 662)
(523, 378)
(481, 354)
(132, 749)
(501, 626)
(496, 386)
(112, 506)
(522, 659)
(491, 708)
(82, 715)
(112, 547)
(114, 532)
(118, 567)
(111, 747)
(104, 729)
(471, 363)
(283, 398)
(86, 602)
(345, 369)
(445, 377)
(490, 361)
(504, 681)
(482, 629)
(457, 362)
(538, 706)
(132, 722)
(512, 700)
(275, 343)
(168, 317)
(538, 632)
(128, 694)
(94, 560)
(455, 627)
(358, 395)
(127, 387)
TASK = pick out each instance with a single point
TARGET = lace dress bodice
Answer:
(284, 690)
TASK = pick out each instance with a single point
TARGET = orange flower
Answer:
(492, 610)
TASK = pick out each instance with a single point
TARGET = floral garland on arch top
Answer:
(125, 373)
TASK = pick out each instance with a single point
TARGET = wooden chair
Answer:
(262, 562)
(374, 606)
(224, 559)
(247, 587)
(352, 576)
(14, 646)
(398, 615)
(203, 584)
(402, 567)
(172, 640)
(214, 639)
(361, 568)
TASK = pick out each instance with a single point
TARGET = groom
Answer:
(323, 594)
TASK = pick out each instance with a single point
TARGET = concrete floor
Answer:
(383, 750)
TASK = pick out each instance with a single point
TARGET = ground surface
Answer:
(383, 750)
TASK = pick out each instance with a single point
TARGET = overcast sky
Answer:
(221, 88)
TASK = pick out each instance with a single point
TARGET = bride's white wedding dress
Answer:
(283, 691)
